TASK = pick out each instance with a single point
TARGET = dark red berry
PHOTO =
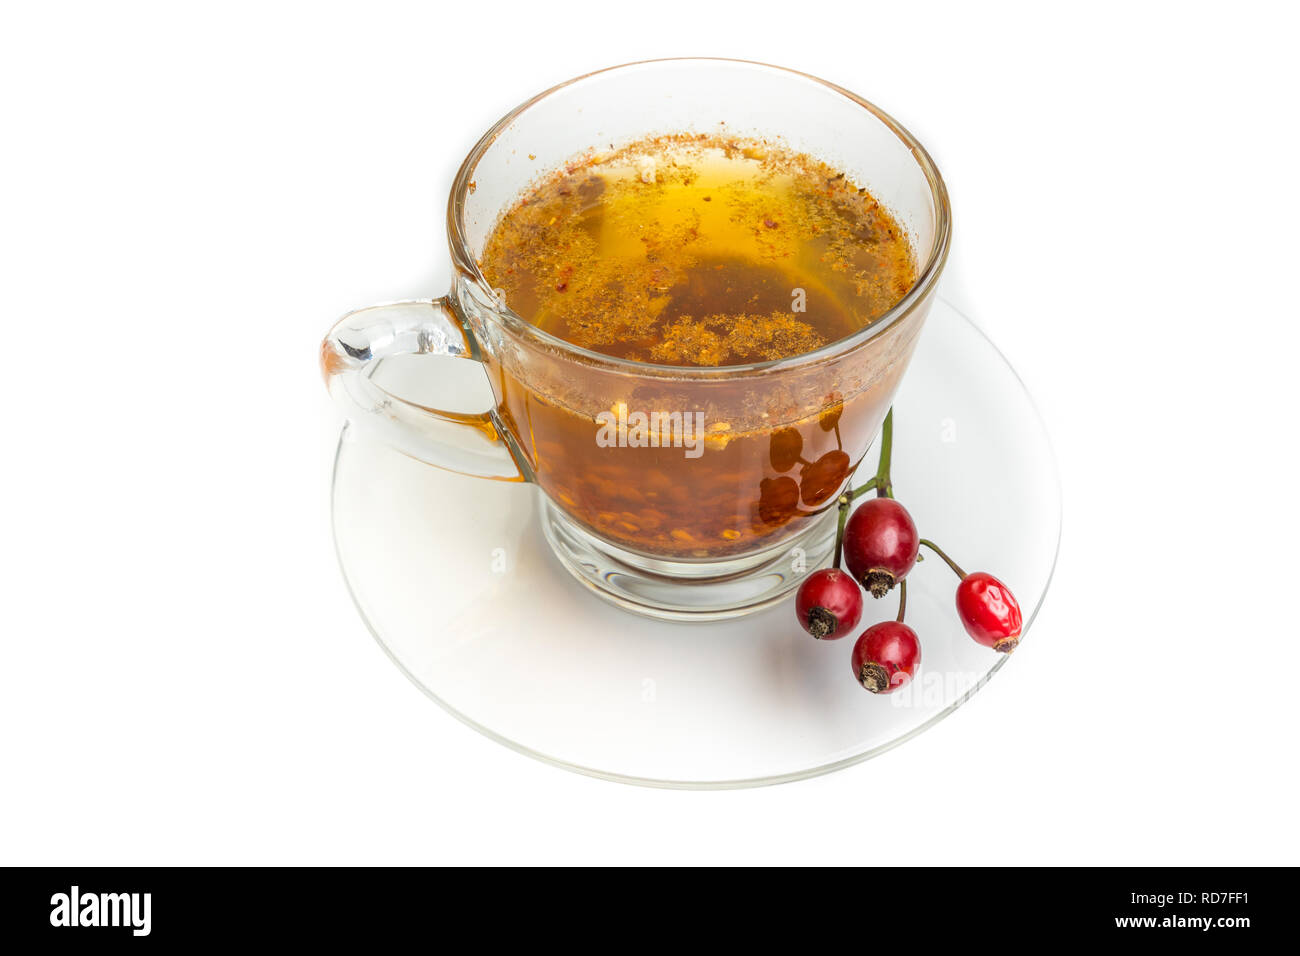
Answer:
(778, 499)
(829, 604)
(821, 479)
(880, 545)
(830, 416)
(886, 656)
(784, 448)
(989, 611)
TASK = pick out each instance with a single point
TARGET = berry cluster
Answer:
(879, 546)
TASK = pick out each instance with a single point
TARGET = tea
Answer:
(697, 251)
(694, 251)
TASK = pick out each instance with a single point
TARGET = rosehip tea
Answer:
(702, 252)
(685, 251)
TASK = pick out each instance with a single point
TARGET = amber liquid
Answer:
(687, 251)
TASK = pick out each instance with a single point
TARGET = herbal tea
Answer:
(688, 251)
(695, 251)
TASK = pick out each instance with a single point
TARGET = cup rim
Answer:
(927, 278)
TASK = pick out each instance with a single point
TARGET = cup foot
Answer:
(688, 591)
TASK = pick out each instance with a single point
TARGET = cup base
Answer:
(688, 590)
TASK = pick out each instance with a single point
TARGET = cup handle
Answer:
(471, 444)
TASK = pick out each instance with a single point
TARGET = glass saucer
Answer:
(457, 583)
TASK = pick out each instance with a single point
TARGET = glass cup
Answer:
(678, 492)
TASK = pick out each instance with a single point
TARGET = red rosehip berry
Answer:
(880, 545)
(784, 448)
(886, 656)
(821, 479)
(829, 604)
(778, 499)
(831, 412)
(989, 611)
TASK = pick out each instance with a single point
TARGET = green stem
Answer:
(845, 499)
(861, 490)
(884, 485)
(939, 551)
(902, 600)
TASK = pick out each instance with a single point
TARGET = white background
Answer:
(191, 194)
